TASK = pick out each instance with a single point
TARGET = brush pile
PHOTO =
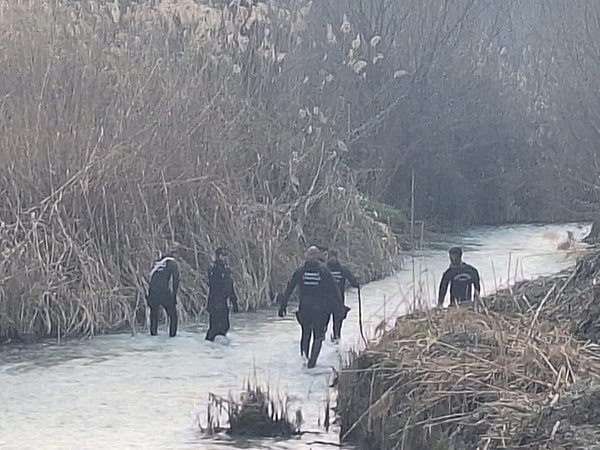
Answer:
(570, 299)
(255, 414)
(463, 379)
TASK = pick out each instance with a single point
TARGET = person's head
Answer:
(312, 253)
(221, 254)
(332, 254)
(169, 252)
(323, 253)
(455, 254)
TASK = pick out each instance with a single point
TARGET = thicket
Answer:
(126, 132)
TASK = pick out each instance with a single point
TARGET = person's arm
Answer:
(211, 287)
(288, 291)
(476, 284)
(443, 287)
(233, 299)
(350, 277)
(175, 278)
(211, 276)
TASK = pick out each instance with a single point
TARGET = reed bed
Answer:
(256, 413)
(132, 128)
(463, 379)
(570, 299)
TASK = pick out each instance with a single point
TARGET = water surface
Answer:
(124, 391)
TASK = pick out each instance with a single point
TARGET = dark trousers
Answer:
(313, 326)
(337, 323)
(171, 309)
(218, 324)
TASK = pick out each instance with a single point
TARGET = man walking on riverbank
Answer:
(220, 290)
(341, 275)
(463, 280)
(319, 297)
(162, 293)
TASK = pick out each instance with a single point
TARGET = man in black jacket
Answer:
(164, 283)
(220, 290)
(463, 280)
(341, 275)
(319, 297)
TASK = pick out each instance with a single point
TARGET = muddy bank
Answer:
(522, 371)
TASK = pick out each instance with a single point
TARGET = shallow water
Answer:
(124, 391)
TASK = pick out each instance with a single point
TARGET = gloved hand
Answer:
(235, 308)
(282, 312)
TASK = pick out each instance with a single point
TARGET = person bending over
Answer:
(162, 293)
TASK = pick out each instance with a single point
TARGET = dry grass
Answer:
(257, 413)
(460, 379)
(570, 299)
(125, 134)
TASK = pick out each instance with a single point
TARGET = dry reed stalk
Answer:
(459, 379)
(569, 299)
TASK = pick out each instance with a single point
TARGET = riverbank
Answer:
(523, 371)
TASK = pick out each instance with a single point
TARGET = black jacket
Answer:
(319, 293)
(164, 280)
(341, 275)
(462, 279)
(220, 288)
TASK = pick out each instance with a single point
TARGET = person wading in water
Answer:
(220, 289)
(463, 280)
(319, 297)
(162, 293)
(340, 274)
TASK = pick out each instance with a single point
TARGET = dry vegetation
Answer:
(570, 299)
(126, 130)
(460, 379)
(524, 373)
(256, 413)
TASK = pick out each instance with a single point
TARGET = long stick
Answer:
(412, 210)
(360, 321)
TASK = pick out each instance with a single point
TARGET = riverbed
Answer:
(137, 391)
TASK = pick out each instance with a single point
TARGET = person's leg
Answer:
(318, 330)
(171, 309)
(337, 325)
(210, 333)
(226, 324)
(154, 313)
(337, 330)
(304, 334)
(219, 324)
(331, 318)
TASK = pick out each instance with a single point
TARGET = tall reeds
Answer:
(128, 129)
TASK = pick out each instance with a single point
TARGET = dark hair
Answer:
(221, 251)
(332, 252)
(455, 251)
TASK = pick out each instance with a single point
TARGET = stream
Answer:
(124, 391)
